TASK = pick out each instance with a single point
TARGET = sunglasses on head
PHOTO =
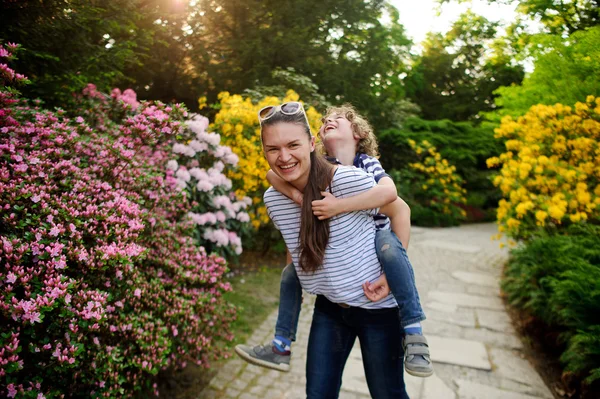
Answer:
(289, 108)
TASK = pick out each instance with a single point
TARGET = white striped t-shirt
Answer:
(350, 257)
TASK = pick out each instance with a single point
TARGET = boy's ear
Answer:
(355, 133)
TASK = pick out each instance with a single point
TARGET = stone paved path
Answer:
(475, 350)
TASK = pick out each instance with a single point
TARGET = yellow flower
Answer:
(541, 215)
(202, 102)
(511, 223)
(493, 162)
(555, 212)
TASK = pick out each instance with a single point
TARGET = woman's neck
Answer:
(301, 183)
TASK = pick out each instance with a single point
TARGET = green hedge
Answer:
(557, 279)
(463, 144)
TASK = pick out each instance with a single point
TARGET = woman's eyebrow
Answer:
(286, 144)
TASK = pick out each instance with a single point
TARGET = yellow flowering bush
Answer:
(432, 187)
(550, 172)
(237, 123)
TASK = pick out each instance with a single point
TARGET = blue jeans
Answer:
(332, 334)
(290, 301)
(399, 274)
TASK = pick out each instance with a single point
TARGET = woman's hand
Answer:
(327, 207)
(378, 290)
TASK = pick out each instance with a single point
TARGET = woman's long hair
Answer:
(314, 233)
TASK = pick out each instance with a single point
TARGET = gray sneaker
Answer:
(416, 356)
(265, 356)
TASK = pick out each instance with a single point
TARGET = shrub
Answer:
(199, 167)
(550, 175)
(237, 123)
(101, 283)
(431, 188)
(463, 144)
(557, 279)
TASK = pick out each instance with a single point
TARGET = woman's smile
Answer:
(288, 168)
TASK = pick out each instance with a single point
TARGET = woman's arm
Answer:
(284, 187)
(382, 194)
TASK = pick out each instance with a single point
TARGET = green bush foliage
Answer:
(557, 279)
(432, 188)
(463, 144)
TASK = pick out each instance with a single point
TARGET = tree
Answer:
(175, 50)
(558, 17)
(341, 45)
(457, 73)
(564, 72)
(67, 44)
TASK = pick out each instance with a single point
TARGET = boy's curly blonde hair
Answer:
(368, 142)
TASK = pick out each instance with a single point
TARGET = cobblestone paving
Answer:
(475, 350)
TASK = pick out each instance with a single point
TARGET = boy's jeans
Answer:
(399, 274)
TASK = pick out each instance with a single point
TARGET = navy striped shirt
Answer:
(350, 257)
(373, 166)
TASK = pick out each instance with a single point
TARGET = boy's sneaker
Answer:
(265, 356)
(416, 356)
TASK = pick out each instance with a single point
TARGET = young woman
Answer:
(349, 139)
(333, 258)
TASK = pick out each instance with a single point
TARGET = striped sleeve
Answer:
(371, 165)
(278, 207)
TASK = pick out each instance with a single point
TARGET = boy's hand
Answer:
(378, 290)
(297, 197)
(326, 208)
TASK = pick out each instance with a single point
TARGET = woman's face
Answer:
(287, 149)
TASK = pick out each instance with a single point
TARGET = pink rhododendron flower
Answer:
(204, 186)
(172, 165)
(11, 278)
(243, 217)
(11, 390)
(183, 174)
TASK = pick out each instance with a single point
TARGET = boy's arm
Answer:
(284, 187)
(399, 214)
(381, 194)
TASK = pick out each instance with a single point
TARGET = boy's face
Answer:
(337, 128)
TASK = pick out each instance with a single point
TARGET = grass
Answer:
(256, 295)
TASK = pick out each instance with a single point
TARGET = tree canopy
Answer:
(457, 73)
(558, 17)
(565, 72)
(180, 51)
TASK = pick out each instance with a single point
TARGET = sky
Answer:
(420, 16)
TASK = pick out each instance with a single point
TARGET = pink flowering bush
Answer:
(198, 166)
(102, 283)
